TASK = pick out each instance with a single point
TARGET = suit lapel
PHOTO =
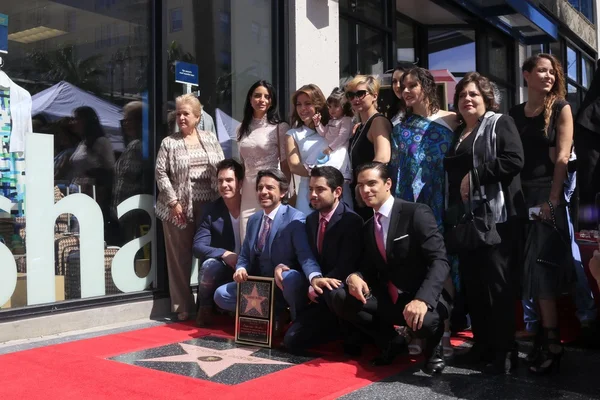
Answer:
(395, 218)
(337, 215)
(253, 232)
(227, 226)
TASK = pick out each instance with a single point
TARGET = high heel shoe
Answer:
(550, 355)
(536, 348)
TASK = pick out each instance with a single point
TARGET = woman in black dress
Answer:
(371, 141)
(546, 127)
(487, 271)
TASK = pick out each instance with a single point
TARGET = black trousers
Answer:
(489, 281)
(378, 317)
(314, 325)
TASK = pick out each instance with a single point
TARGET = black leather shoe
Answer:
(435, 362)
(476, 355)
(394, 348)
(503, 363)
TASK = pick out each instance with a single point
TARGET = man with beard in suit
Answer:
(335, 237)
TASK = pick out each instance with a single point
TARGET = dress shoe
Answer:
(393, 349)
(204, 317)
(435, 361)
(279, 327)
(478, 354)
(353, 344)
(503, 363)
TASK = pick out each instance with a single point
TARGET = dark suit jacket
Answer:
(287, 244)
(215, 233)
(416, 264)
(343, 242)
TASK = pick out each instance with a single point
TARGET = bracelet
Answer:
(551, 211)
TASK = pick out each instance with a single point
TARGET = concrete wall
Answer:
(314, 53)
(583, 28)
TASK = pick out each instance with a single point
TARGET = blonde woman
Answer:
(186, 177)
(371, 141)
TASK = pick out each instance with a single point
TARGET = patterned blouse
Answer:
(186, 174)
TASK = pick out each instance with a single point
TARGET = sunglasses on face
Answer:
(358, 94)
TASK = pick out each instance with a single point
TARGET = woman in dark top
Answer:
(487, 271)
(546, 127)
(371, 141)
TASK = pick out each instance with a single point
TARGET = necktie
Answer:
(264, 233)
(392, 289)
(379, 236)
(321, 235)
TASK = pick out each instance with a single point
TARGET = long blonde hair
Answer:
(559, 89)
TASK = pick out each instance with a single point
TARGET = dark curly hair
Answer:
(485, 87)
(425, 79)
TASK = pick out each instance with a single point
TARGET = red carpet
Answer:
(81, 370)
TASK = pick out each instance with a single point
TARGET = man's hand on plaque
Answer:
(279, 269)
(319, 284)
(230, 258)
(240, 275)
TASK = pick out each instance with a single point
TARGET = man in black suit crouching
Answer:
(335, 238)
(400, 279)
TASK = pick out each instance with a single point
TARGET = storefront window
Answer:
(587, 72)
(405, 42)
(498, 58)
(239, 34)
(453, 50)
(372, 10)
(571, 63)
(573, 97)
(371, 47)
(77, 194)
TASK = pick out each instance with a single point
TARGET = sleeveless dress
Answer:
(362, 151)
(539, 280)
(258, 151)
(310, 144)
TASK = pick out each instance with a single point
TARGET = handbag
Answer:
(556, 251)
(291, 194)
(476, 228)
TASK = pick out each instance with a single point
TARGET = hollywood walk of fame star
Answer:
(213, 361)
(254, 301)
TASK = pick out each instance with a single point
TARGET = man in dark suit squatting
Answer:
(402, 274)
(335, 238)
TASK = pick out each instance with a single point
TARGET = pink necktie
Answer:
(392, 289)
(264, 233)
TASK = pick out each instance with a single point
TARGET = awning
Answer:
(519, 18)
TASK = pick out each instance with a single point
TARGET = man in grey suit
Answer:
(276, 245)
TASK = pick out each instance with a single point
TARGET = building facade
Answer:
(74, 240)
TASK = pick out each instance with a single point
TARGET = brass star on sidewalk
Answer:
(254, 301)
(213, 361)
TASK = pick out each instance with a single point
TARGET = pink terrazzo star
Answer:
(213, 361)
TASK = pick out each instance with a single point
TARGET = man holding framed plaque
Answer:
(276, 245)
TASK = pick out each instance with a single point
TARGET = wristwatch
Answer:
(316, 277)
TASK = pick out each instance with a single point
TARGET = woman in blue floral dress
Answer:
(419, 143)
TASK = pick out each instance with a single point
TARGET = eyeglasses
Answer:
(360, 94)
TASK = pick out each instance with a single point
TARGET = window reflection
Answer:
(453, 50)
(571, 63)
(87, 76)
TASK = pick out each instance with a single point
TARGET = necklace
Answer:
(465, 134)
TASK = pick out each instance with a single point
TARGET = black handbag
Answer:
(476, 228)
(556, 251)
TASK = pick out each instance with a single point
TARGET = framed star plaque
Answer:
(254, 312)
